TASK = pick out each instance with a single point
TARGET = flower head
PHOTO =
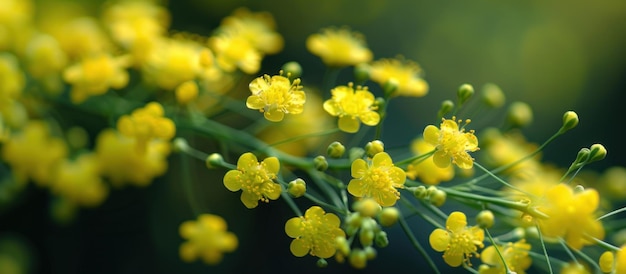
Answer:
(314, 233)
(407, 75)
(257, 27)
(79, 181)
(95, 75)
(571, 215)
(378, 180)
(206, 238)
(458, 241)
(339, 47)
(276, 96)
(145, 124)
(351, 106)
(234, 51)
(425, 169)
(515, 255)
(452, 144)
(254, 179)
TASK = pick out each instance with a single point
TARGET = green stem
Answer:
(416, 157)
(545, 251)
(506, 267)
(416, 244)
(523, 207)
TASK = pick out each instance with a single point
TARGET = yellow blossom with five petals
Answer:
(276, 96)
(206, 238)
(452, 144)
(351, 106)
(339, 47)
(378, 180)
(254, 179)
(314, 233)
(406, 73)
(458, 241)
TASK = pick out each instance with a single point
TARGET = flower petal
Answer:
(247, 161)
(250, 200)
(441, 159)
(431, 135)
(299, 247)
(293, 227)
(358, 168)
(232, 180)
(456, 221)
(370, 118)
(439, 239)
(255, 102)
(349, 124)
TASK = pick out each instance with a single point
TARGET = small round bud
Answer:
(321, 263)
(464, 93)
(179, 145)
(606, 261)
(388, 216)
(366, 236)
(214, 160)
(379, 103)
(390, 87)
(358, 258)
(335, 150)
(367, 207)
(361, 73)
(355, 153)
(583, 155)
(438, 198)
(320, 163)
(374, 147)
(597, 152)
(492, 95)
(381, 239)
(292, 69)
(296, 188)
(446, 107)
(186, 92)
(520, 114)
(420, 192)
(342, 245)
(570, 120)
(370, 252)
(579, 189)
(485, 219)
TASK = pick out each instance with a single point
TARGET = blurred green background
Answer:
(554, 55)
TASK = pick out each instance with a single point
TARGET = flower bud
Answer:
(520, 114)
(335, 150)
(186, 92)
(296, 188)
(321, 263)
(570, 120)
(342, 245)
(597, 152)
(374, 147)
(583, 155)
(390, 87)
(388, 216)
(361, 73)
(320, 163)
(492, 95)
(358, 258)
(214, 160)
(180, 145)
(367, 207)
(446, 107)
(438, 197)
(485, 219)
(464, 93)
(381, 239)
(292, 69)
(420, 192)
(366, 236)
(370, 252)
(606, 261)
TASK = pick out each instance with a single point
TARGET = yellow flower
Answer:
(12, 82)
(276, 96)
(505, 148)
(452, 144)
(425, 169)
(206, 238)
(352, 105)
(121, 162)
(95, 75)
(80, 37)
(378, 180)
(254, 179)
(79, 181)
(145, 124)
(458, 241)
(406, 73)
(234, 51)
(575, 268)
(571, 215)
(314, 234)
(33, 153)
(339, 47)
(515, 255)
(257, 27)
(620, 260)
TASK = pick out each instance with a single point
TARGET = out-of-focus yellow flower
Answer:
(81, 37)
(147, 124)
(406, 74)
(95, 75)
(206, 238)
(254, 179)
(276, 96)
(314, 233)
(79, 181)
(501, 149)
(606, 261)
(515, 255)
(257, 27)
(234, 51)
(12, 82)
(620, 260)
(339, 47)
(574, 268)
(425, 169)
(379, 180)
(571, 215)
(458, 241)
(45, 60)
(15, 17)
(186, 92)
(33, 153)
(351, 106)
(121, 162)
(452, 144)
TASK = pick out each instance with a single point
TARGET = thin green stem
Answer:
(604, 244)
(568, 251)
(612, 213)
(502, 181)
(545, 251)
(422, 215)
(324, 204)
(416, 157)
(523, 207)
(291, 203)
(416, 244)
(495, 245)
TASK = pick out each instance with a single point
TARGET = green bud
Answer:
(464, 93)
(179, 145)
(381, 239)
(321, 263)
(361, 73)
(485, 219)
(492, 95)
(388, 216)
(438, 197)
(570, 120)
(520, 114)
(579, 189)
(356, 153)
(367, 207)
(390, 87)
(420, 192)
(446, 107)
(320, 163)
(214, 160)
(342, 245)
(370, 252)
(597, 152)
(335, 150)
(358, 258)
(374, 147)
(296, 188)
(366, 236)
(292, 69)
(583, 155)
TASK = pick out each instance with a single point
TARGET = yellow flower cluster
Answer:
(339, 47)
(147, 124)
(314, 233)
(452, 144)
(206, 238)
(254, 179)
